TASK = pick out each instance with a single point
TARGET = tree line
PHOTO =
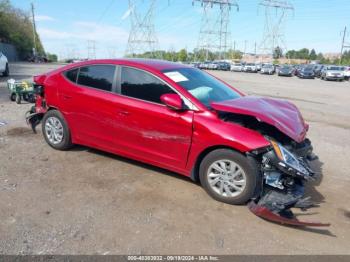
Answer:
(16, 28)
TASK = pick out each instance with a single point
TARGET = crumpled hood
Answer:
(281, 114)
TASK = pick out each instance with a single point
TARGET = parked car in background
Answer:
(258, 66)
(237, 67)
(224, 66)
(213, 65)
(267, 69)
(4, 65)
(307, 72)
(318, 70)
(285, 70)
(182, 119)
(297, 69)
(250, 67)
(347, 72)
(333, 72)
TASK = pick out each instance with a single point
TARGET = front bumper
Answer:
(282, 188)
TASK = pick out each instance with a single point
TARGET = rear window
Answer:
(97, 76)
(72, 74)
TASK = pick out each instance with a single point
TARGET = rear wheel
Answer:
(56, 131)
(13, 97)
(228, 176)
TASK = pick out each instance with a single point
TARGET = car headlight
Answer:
(288, 161)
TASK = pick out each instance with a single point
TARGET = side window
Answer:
(97, 76)
(139, 84)
(72, 74)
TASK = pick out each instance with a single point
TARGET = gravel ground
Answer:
(88, 202)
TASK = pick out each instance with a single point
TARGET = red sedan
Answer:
(180, 118)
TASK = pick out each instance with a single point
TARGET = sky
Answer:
(66, 26)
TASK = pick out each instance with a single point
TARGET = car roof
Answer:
(153, 64)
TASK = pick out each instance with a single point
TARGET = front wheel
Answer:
(228, 176)
(56, 131)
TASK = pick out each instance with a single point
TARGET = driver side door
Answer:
(150, 130)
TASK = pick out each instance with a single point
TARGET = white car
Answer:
(333, 72)
(4, 65)
(250, 67)
(347, 72)
(267, 69)
(237, 67)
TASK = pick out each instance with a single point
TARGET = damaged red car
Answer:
(241, 148)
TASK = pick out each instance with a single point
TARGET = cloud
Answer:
(40, 18)
(75, 38)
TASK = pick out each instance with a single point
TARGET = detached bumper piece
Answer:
(276, 207)
(33, 118)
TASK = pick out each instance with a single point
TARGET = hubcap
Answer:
(226, 178)
(54, 130)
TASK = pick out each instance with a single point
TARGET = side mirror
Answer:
(172, 101)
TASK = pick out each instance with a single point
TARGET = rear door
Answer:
(88, 103)
(152, 131)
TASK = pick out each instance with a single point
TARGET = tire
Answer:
(61, 136)
(18, 99)
(13, 97)
(7, 71)
(249, 173)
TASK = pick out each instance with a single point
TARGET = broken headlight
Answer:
(288, 162)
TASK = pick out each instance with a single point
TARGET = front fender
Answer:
(211, 132)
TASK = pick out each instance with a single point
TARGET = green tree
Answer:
(182, 55)
(277, 52)
(16, 28)
(312, 55)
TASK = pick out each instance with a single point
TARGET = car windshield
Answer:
(267, 66)
(201, 85)
(335, 68)
(250, 64)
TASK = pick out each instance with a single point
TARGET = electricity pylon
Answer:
(215, 33)
(142, 37)
(276, 12)
(91, 45)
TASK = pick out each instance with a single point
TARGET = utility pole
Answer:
(34, 30)
(255, 49)
(245, 46)
(142, 36)
(343, 46)
(275, 16)
(234, 45)
(214, 34)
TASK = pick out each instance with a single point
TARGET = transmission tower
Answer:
(91, 49)
(142, 37)
(276, 12)
(215, 34)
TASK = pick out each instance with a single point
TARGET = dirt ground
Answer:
(88, 202)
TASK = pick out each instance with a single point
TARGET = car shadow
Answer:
(125, 160)
(311, 187)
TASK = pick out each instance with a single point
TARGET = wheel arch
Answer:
(195, 169)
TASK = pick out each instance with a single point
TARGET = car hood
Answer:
(281, 114)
